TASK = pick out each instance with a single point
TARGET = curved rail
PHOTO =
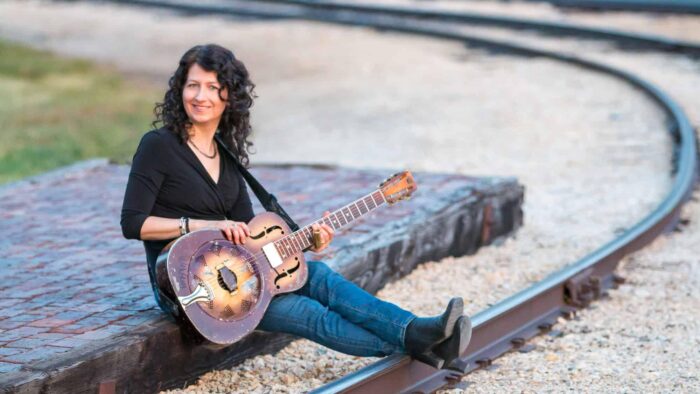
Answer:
(550, 27)
(670, 6)
(509, 323)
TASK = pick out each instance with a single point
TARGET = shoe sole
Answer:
(456, 310)
(465, 336)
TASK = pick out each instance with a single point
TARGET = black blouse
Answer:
(168, 180)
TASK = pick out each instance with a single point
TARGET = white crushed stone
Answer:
(644, 338)
(591, 152)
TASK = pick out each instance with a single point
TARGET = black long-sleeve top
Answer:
(168, 180)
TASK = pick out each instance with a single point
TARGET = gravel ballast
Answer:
(644, 338)
(593, 154)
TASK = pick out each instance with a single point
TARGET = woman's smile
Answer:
(199, 108)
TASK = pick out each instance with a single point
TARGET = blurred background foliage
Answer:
(55, 111)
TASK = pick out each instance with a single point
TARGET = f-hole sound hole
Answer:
(287, 273)
(228, 280)
(266, 231)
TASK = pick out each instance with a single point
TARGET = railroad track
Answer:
(670, 6)
(510, 323)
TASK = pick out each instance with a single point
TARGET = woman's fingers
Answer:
(245, 229)
(235, 232)
(236, 235)
(324, 237)
(328, 229)
(241, 235)
(239, 232)
(228, 234)
(328, 233)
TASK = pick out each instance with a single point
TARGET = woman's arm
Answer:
(157, 228)
(145, 179)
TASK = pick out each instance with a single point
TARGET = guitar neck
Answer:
(303, 238)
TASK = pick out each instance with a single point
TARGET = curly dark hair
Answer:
(234, 127)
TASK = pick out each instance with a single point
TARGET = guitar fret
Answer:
(280, 250)
(348, 214)
(302, 241)
(306, 231)
(285, 241)
(297, 245)
(375, 198)
(328, 221)
(341, 218)
(305, 238)
(371, 205)
(355, 211)
(360, 207)
(334, 219)
(290, 244)
(308, 241)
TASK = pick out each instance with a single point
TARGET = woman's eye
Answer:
(191, 85)
(213, 87)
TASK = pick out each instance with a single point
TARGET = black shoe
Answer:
(423, 334)
(450, 349)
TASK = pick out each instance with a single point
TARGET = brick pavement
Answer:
(73, 288)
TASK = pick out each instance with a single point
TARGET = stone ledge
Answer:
(78, 310)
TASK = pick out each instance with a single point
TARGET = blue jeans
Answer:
(338, 314)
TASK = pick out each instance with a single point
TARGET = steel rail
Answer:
(550, 27)
(669, 6)
(508, 324)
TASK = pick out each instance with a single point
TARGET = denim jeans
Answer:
(338, 314)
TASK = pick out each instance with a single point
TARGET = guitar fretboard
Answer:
(303, 238)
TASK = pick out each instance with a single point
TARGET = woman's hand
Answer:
(324, 233)
(236, 232)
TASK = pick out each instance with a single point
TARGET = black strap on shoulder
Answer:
(268, 201)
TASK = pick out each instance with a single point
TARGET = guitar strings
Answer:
(236, 268)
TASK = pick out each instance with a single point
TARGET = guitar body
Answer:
(224, 288)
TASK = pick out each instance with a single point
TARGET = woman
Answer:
(181, 180)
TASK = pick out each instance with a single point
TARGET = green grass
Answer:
(55, 111)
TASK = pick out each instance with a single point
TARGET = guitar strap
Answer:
(268, 201)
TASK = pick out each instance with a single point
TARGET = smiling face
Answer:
(200, 96)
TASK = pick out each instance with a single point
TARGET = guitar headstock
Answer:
(398, 187)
